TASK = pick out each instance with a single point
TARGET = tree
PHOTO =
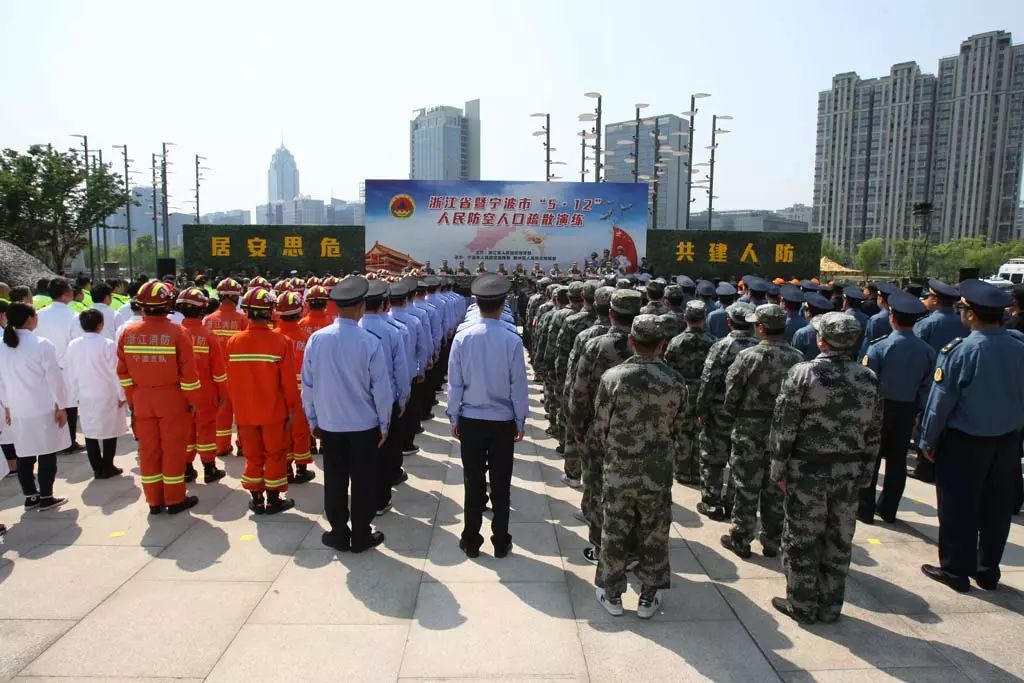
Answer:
(48, 203)
(908, 257)
(830, 249)
(869, 255)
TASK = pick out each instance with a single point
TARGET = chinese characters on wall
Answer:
(511, 211)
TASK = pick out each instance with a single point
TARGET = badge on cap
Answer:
(938, 374)
(864, 362)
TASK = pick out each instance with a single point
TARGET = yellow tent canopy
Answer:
(828, 266)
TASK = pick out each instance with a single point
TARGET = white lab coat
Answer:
(31, 386)
(6, 433)
(123, 315)
(92, 369)
(59, 324)
(130, 320)
(109, 321)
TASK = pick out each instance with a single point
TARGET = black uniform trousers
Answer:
(390, 454)
(486, 445)
(350, 457)
(897, 424)
(974, 477)
(101, 454)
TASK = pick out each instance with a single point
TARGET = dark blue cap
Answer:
(979, 294)
(350, 291)
(907, 304)
(792, 294)
(756, 284)
(490, 287)
(705, 288)
(773, 289)
(686, 282)
(400, 289)
(432, 281)
(809, 286)
(887, 288)
(940, 288)
(819, 303)
(916, 289)
(377, 289)
(725, 289)
(853, 293)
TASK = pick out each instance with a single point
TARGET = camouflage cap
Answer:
(670, 325)
(770, 315)
(674, 292)
(544, 281)
(603, 297)
(839, 330)
(647, 329)
(575, 290)
(695, 310)
(656, 289)
(590, 289)
(550, 291)
(623, 283)
(626, 301)
(739, 311)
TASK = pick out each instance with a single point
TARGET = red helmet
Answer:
(258, 299)
(259, 282)
(155, 294)
(317, 293)
(298, 284)
(289, 303)
(329, 282)
(283, 286)
(229, 286)
(312, 281)
(193, 296)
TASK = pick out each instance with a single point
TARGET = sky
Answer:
(338, 81)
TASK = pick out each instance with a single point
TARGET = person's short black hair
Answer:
(42, 285)
(317, 304)
(58, 287)
(101, 291)
(989, 316)
(90, 319)
(133, 289)
(1018, 295)
(212, 305)
(21, 294)
(3, 307)
(904, 319)
(624, 319)
(490, 306)
(83, 280)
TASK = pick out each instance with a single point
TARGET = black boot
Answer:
(190, 501)
(190, 473)
(301, 476)
(275, 503)
(211, 473)
(256, 505)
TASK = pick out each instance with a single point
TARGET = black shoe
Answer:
(503, 550)
(301, 477)
(730, 543)
(411, 449)
(419, 429)
(865, 518)
(276, 505)
(75, 447)
(156, 509)
(716, 513)
(560, 449)
(986, 584)
(313, 450)
(257, 507)
(329, 539)
(212, 474)
(32, 502)
(591, 554)
(887, 519)
(110, 473)
(189, 502)
(238, 451)
(783, 605)
(190, 473)
(961, 584)
(470, 552)
(402, 477)
(50, 502)
(376, 538)
(384, 510)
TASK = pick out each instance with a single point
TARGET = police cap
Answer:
(756, 284)
(887, 289)
(906, 304)
(940, 288)
(400, 289)
(853, 293)
(432, 281)
(490, 287)
(817, 303)
(626, 301)
(725, 289)
(984, 295)
(686, 282)
(350, 291)
(809, 286)
(792, 294)
(706, 288)
(376, 289)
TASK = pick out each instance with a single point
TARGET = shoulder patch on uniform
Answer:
(864, 361)
(938, 375)
(951, 345)
(877, 339)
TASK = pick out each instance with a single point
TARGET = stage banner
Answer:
(321, 249)
(721, 253)
(498, 222)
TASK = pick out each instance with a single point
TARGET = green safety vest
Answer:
(87, 298)
(77, 306)
(118, 300)
(41, 301)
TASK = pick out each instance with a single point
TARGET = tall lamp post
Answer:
(92, 255)
(596, 118)
(127, 208)
(156, 233)
(715, 130)
(545, 130)
(692, 114)
(198, 176)
(636, 142)
(163, 190)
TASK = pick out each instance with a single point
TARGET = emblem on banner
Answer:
(402, 206)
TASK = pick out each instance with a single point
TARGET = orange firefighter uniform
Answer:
(213, 379)
(226, 322)
(299, 426)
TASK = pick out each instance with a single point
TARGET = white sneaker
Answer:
(611, 603)
(648, 605)
(570, 482)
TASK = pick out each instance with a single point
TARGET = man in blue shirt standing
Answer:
(943, 324)
(487, 407)
(347, 395)
(878, 324)
(971, 431)
(793, 299)
(904, 367)
(717, 322)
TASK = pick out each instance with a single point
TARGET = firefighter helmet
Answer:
(230, 287)
(289, 303)
(317, 293)
(155, 294)
(259, 282)
(258, 299)
(193, 296)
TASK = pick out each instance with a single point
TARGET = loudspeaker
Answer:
(165, 266)
(969, 274)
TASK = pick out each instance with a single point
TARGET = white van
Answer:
(1012, 271)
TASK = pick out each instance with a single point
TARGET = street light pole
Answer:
(127, 209)
(156, 234)
(597, 135)
(163, 190)
(583, 155)
(636, 143)
(711, 171)
(689, 180)
(197, 186)
(92, 256)
(654, 188)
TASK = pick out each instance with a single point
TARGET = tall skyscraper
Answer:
(234, 217)
(282, 177)
(444, 143)
(672, 169)
(954, 141)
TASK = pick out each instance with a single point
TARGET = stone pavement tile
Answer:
(900, 532)
(401, 533)
(986, 647)
(325, 587)
(559, 492)
(722, 565)
(232, 551)
(907, 674)
(692, 596)
(176, 629)
(630, 649)
(131, 525)
(65, 582)
(275, 652)
(25, 639)
(534, 557)
(34, 529)
(865, 637)
(487, 630)
(100, 679)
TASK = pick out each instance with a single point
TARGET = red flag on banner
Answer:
(623, 250)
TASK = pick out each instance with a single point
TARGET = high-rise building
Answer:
(659, 137)
(342, 212)
(235, 217)
(282, 177)
(954, 140)
(444, 143)
(303, 211)
(797, 212)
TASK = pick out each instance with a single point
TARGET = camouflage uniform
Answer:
(655, 292)
(686, 354)
(553, 382)
(671, 324)
(751, 387)
(539, 353)
(599, 354)
(573, 325)
(824, 440)
(637, 410)
(531, 306)
(715, 436)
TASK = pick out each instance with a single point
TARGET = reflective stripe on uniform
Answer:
(205, 447)
(201, 349)
(226, 333)
(253, 358)
(127, 382)
(252, 480)
(276, 482)
(224, 432)
(220, 378)
(180, 479)
(152, 478)
(298, 456)
(147, 350)
(190, 447)
(189, 386)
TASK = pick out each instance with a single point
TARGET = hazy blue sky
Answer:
(340, 79)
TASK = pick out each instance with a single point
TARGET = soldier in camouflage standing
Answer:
(686, 354)
(574, 292)
(823, 442)
(655, 291)
(559, 300)
(599, 354)
(637, 411)
(573, 325)
(545, 304)
(531, 305)
(751, 387)
(675, 305)
(715, 433)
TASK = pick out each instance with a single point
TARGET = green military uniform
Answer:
(531, 307)
(553, 381)
(751, 387)
(540, 347)
(655, 291)
(686, 354)
(824, 440)
(637, 410)
(715, 436)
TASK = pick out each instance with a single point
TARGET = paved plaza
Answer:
(101, 591)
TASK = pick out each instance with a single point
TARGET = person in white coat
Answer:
(92, 375)
(33, 394)
(101, 298)
(59, 324)
(10, 464)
